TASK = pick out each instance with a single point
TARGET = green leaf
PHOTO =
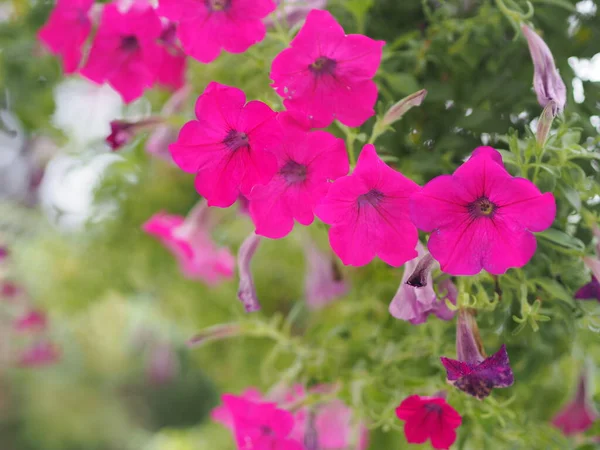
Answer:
(563, 239)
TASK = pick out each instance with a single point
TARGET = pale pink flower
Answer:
(368, 213)
(323, 283)
(414, 304)
(230, 146)
(66, 31)
(578, 415)
(125, 52)
(328, 74)
(42, 353)
(481, 217)
(32, 321)
(190, 242)
(306, 162)
(209, 26)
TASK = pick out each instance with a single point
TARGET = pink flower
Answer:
(429, 418)
(171, 73)
(66, 31)
(368, 213)
(414, 304)
(578, 415)
(260, 425)
(31, 321)
(306, 162)
(229, 146)
(481, 217)
(42, 353)
(207, 26)
(223, 414)
(324, 282)
(190, 242)
(125, 52)
(328, 74)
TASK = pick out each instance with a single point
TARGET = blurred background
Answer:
(95, 314)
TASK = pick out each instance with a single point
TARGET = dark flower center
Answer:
(218, 5)
(130, 43)
(266, 430)
(323, 65)
(293, 172)
(482, 207)
(236, 140)
(372, 198)
(433, 407)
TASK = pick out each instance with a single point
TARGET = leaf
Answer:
(572, 196)
(555, 289)
(562, 239)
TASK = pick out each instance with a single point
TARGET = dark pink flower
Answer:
(125, 52)
(328, 74)
(247, 290)
(171, 73)
(472, 372)
(260, 425)
(578, 415)
(224, 416)
(324, 282)
(66, 31)
(208, 26)
(230, 146)
(32, 321)
(42, 353)
(190, 242)
(481, 217)
(414, 304)
(307, 162)
(368, 213)
(429, 418)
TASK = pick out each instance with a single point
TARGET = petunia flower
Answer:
(190, 242)
(209, 26)
(578, 415)
(260, 425)
(328, 74)
(306, 162)
(368, 213)
(429, 418)
(472, 372)
(230, 146)
(415, 304)
(66, 31)
(323, 283)
(31, 321)
(42, 353)
(547, 83)
(247, 290)
(171, 73)
(481, 217)
(125, 52)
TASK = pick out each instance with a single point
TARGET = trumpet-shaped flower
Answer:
(230, 146)
(66, 31)
(307, 162)
(578, 415)
(481, 217)
(190, 242)
(207, 27)
(368, 213)
(429, 418)
(328, 74)
(125, 52)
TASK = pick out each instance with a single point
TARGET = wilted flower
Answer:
(481, 217)
(247, 290)
(368, 213)
(472, 372)
(547, 83)
(578, 415)
(324, 282)
(429, 418)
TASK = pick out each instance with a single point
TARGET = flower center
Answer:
(266, 430)
(433, 407)
(236, 140)
(218, 5)
(130, 43)
(482, 207)
(293, 172)
(372, 198)
(323, 65)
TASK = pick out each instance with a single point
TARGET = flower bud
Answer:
(247, 290)
(398, 110)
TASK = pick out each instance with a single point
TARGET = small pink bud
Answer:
(398, 110)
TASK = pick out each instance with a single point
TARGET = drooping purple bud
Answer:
(590, 291)
(324, 282)
(247, 290)
(400, 108)
(547, 83)
(578, 415)
(122, 132)
(422, 272)
(472, 372)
